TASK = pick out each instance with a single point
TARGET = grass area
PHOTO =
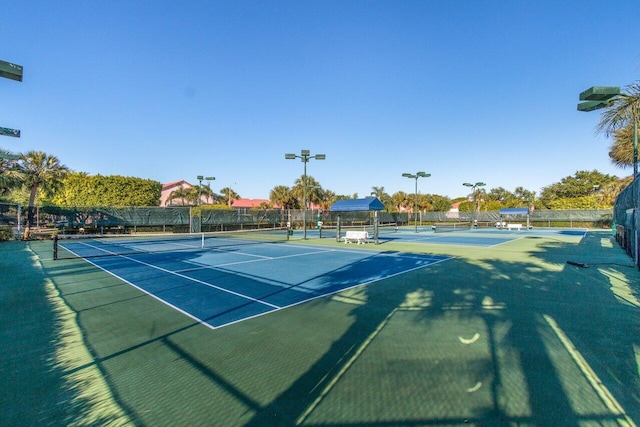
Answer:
(495, 335)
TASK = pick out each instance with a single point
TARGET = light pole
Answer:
(597, 97)
(13, 72)
(305, 156)
(200, 178)
(595, 200)
(473, 189)
(415, 204)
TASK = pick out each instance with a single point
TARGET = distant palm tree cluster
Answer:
(203, 193)
(37, 172)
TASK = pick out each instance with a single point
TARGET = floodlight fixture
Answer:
(11, 71)
(200, 179)
(305, 156)
(473, 190)
(15, 133)
(415, 176)
(599, 93)
(598, 97)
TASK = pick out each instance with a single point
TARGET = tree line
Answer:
(39, 178)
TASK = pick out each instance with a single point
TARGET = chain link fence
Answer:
(96, 220)
(626, 216)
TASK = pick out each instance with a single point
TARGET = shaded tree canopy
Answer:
(81, 189)
(579, 185)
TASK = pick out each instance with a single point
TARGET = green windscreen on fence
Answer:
(92, 246)
(626, 217)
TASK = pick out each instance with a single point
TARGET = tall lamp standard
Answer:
(473, 189)
(595, 192)
(200, 178)
(305, 156)
(415, 203)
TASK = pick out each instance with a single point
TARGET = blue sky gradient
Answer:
(465, 90)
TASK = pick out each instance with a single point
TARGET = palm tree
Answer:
(40, 172)
(328, 198)
(10, 176)
(383, 196)
(402, 200)
(621, 149)
(228, 195)
(180, 193)
(618, 120)
(283, 196)
(313, 190)
(425, 202)
(206, 191)
(193, 194)
(378, 192)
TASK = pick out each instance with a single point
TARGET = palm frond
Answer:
(622, 111)
(621, 150)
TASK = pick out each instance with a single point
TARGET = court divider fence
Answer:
(196, 219)
(626, 216)
(624, 219)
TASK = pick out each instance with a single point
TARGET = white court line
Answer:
(183, 277)
(273, 307)
(249, 261)
(603, 392)
(333, 293)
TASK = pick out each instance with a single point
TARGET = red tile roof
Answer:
(174, 184)
(249, 203)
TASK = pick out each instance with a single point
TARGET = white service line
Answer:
(193, 280)
(249, 261)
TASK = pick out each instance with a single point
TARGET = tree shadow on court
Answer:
(549, 333)
(400, 351)
(36, 389)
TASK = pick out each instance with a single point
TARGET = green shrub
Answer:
(6, 233)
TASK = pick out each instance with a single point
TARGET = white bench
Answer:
(514, 227)
(356, 237)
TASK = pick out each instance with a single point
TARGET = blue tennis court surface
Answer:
(480, 237)
(457, 238)
(220, 286)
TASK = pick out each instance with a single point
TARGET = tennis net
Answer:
(446, 227)
(91, 246)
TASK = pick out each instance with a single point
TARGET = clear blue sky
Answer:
(465, 90)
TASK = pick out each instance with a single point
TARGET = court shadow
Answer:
(487, 338)
(523, 337)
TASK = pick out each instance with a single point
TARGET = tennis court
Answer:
(227, 279)
(486, 237)
(496, 335)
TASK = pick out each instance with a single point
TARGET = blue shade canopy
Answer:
(514, 211)
(351, 205)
